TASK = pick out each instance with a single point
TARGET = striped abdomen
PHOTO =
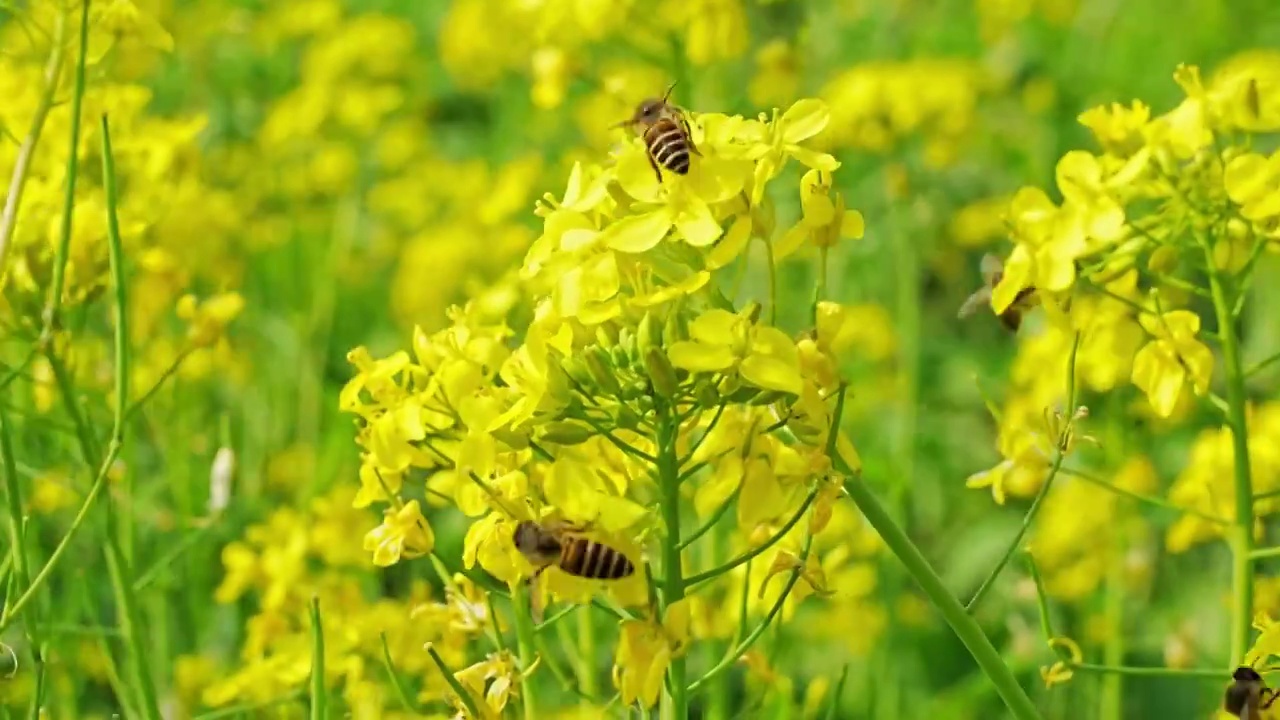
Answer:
(590, 559)
(668, 145)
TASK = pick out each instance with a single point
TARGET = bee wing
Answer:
(974, 302)
(991, 266)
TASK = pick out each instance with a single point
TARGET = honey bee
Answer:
(665, 131)
(560, 545)
(1247, 695)
(992, 270)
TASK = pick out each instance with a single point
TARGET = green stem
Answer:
(526, 647)
(1149, 499)
(906, 255)
(736, 654)
(1241, 537)
(962, 624)
(1112, 700)
(73, 160)
(1059, 455)
(673, 581)
(401, 691)
(27, 152)
(756, 551)
(587, 654)
(319, 698)
(1149, 671)
(13, 494)
(711, 521)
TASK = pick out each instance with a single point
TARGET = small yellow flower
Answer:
(722, 341)
(1172, 358)
(645, 650)
(1061, 672)
(403, 532)
(208, 320)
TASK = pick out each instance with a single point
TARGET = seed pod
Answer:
(766, 397)
(647, 334)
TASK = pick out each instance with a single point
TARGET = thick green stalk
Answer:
(673, 583)
(962, 624)
(1241, 535)
(526, 647)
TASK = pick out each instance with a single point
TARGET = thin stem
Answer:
(964, 626)
(673, 583)
(1263, 553)
(1253, 369)
(773, 281)
(715, 420)
(13, 494)
(1042, 598)
(401, 692)
(621, 444)
(27, 152)
(586, 654)
(319, 698)
(711, 521)
(54, 303)
(248, 708)
(1242, 536)
(1205, 673)
(149, 575)
(733, 656)
(1059, 455)
(1148, 499)
(754, 552)
(526, 648)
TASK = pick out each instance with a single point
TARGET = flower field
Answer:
(670, 359)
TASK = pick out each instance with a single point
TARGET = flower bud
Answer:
(675, 329)
(566, 432)
(600, 365)
(661, 373)
(706, 394)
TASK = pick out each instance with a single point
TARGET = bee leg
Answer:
(654, 164)
(688, 133)
(1271, 696)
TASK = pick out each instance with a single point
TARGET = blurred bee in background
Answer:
(1247, 695)
(992, 270)
(665, 131)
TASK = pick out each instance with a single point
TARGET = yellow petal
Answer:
(791, 241)
(1016, 278)
(732, 244)
(853, 226)
(813, 158)
(698, 357)
(1247, 178)
(697, 225)
(1160, 377)
(638, 233)
(804, 120)
(772, 373)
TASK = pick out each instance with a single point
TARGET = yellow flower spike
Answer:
(208, 320)
(403, 532)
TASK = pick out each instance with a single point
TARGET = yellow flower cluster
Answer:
(167, 196)
(294, 556)
(628, 383)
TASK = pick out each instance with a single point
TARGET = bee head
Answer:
(535, 543)
(1246, 674)
(649, 111)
